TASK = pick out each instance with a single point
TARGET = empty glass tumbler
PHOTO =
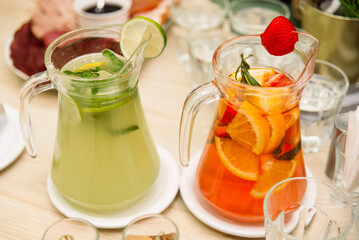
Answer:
(323, 212)
(71, 229)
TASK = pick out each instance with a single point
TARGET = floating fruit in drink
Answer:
(250, 150)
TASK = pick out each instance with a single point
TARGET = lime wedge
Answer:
(137, 30)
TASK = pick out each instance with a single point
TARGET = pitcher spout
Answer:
(308, 47)
(137, 57)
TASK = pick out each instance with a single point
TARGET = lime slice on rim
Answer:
(137, 30)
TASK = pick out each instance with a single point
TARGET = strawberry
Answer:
(284, 82)
(273, 80)
(221, 131)
(279, 37)
(229, 114)
(287, 151)
(277, 80)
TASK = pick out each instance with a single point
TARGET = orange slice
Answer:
(266, 162)
(250, 107)
(237, 159)
(291, 117)
(270, 103)
(249, 129)
(277, 132)
(259, 74)
(278, 171)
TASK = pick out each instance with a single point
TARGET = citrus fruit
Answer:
(138, 30)
(259, 74)
(291, 117)
(237, 159)
(266, 162)
(277, 131)
(90, 65)
(250, 107)
(278, 171)
(249, 129)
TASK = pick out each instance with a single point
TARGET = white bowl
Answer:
(100, 19)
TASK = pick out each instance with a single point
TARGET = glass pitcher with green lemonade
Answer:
(104, 157)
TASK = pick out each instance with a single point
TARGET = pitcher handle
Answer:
(34, 85)
(199, 97)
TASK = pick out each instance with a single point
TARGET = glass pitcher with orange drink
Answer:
(255, 139)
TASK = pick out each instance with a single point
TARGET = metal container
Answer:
(339, 38)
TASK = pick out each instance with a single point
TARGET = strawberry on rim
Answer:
(279, 37)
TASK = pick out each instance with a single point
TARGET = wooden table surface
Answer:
(25, 208)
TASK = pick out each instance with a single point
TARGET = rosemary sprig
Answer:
(245, 76)
(350, 8)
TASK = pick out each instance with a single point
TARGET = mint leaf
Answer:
(127, 130)
(88, 73)
(115, 63)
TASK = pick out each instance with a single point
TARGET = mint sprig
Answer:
(88, 73)
(114, 65)
(245, 76)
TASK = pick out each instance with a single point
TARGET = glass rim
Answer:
(151, 215)
(113, 28)
(79, 9)
(344, 81)
(340, 117)
(337, 145)
(72, 220)
(268, 219)
(282, 5)
(267, 90)
(174, 4)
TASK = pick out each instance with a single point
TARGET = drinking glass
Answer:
(343, 172)
(340, 126)
(250, 17)
(321, 101)
(323, 212)
(202, 46)
(71, 229)
(194, 15)
(151, 226)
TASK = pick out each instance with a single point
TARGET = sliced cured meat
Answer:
(143, 6)
(27, 52)
(53, 16)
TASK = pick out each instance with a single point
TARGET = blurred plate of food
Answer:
(24, 51)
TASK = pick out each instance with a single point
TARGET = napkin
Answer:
(351, 166)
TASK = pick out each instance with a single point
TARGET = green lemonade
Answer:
(104, 156)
